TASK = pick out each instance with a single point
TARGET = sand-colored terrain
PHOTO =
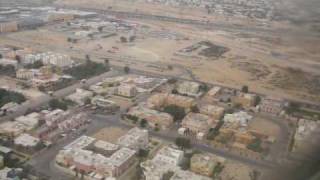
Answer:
(281, 59)
(110, 134)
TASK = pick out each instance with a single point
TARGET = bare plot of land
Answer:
(110, 134)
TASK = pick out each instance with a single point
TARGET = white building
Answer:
(189, 88)
(127, 90)
(5, 62)
(31, 120)
(49, 58)
(13, 128)
(303, 133)
(91, 163)
(26, 74)
(239, 120)
(101, 101)
(135, 139)
(26, 140)
(170, 155)
(80, 96)
(168, 160)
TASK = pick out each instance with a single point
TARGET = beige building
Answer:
(26, 74)
(189, 88)
(94, 165)
(271, 105)
(198, 123)
(8, 27)
(127, 90)
(135, 139)
(216, 112)
(246, 100)
(204, 164)
(60, 17)
(168, 160)
(80, 96)
(163, 99)
(153, 117)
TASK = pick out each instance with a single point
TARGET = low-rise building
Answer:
(198, 123)
(236, 125)
(271, 105)
(103, 102)
(9, 107)
(75, 156)
(80, 96)
(153, 117)
(1, 162)
(162, 99)
(45, 82)
(135, 139)
(165, 161)
(12, 128)
(186, 175)
(246, 100)
(8, 27)
(127, 90)
(31, 120)
(26, 74)
(11, 62)
(204, 164)
(26, 141)
(80, 143)
(189, 88)
(10, 173)
(216, 112)
(304, 130)
(238, 120)
(214, 92)
(49, 58)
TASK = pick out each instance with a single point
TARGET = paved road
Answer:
(171, 136)
(44, 161)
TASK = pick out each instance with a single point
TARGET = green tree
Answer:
(7, 70)
(35, 65)
(10, 96)
(58, 104)
(86, 70)
(255, 145)
(87, 57)
(132, 38)
(143, 123)
(168, 175)
(245, 89)
(172, 80)
(177, 112)
(183, 143)
(204, 87)
(195, 109)
(100, 28)
(142, 153)
(123, 39)
(126, 69)
(174, 91)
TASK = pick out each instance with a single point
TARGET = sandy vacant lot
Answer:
(110, 134)
(279, 60)
(264, 126)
